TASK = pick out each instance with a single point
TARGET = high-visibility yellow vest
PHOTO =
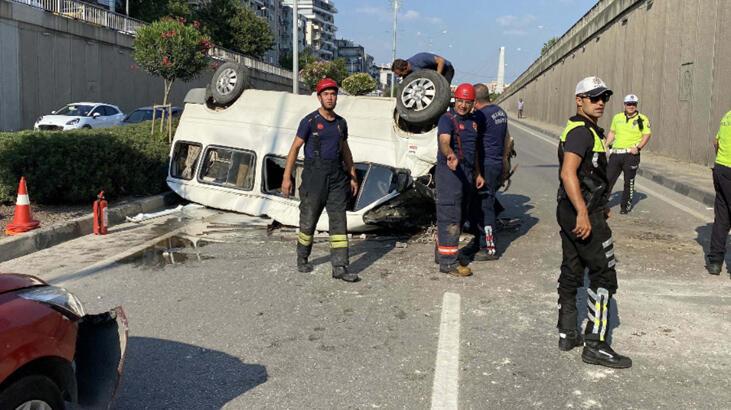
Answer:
(723, 156)
(627, 133)
(598, 145)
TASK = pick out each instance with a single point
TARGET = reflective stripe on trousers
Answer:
(325, 185)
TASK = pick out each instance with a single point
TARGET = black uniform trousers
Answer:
(627, 163)
(325, 185)
(722, 213)
(595, 253)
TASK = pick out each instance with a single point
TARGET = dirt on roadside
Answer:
(46, 214)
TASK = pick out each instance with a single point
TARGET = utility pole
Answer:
(295, 51)
(393, 54)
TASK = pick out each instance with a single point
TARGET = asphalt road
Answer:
(232, 324)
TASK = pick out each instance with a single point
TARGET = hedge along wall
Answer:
(73, 166)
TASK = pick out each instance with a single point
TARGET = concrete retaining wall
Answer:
(674, 54)
(47, 61)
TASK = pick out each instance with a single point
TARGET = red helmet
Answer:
(465, 91)
(326, 83)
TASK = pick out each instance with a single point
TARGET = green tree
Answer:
(233, 26)
(548, 44)
(306, 57)
(317, 70)
(170, 49)
(359, 84)
(152, 10)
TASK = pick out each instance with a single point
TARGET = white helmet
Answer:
(631, 98)
(592, 86)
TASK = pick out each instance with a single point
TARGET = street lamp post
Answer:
(393, 56)
(295, 51)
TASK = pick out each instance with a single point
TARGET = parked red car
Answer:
(52, 352)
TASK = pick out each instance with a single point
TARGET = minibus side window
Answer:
(228, 167)
(185, 160)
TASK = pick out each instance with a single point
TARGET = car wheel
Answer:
(86, 127)
(32, 393)
(228, 82)
(423, 97)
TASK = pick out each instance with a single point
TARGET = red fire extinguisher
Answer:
(101, 221)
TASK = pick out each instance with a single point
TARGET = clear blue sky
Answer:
(467, 32)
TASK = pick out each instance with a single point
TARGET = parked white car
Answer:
(81, 115)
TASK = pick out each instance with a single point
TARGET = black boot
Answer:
(596, 348)
(484, 255)
(469, 250)
(714, 268)
(567, 340)
(303, 265)
(341, 272)
(600, 353)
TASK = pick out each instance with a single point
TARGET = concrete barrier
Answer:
(48, 60)
(673, 54)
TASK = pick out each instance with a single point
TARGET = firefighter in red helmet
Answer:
(328, 180)
(456, 178)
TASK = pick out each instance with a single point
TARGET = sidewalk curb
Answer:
(17, 246)
(682, 188)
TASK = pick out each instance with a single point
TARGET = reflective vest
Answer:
(723, 138)
(592, 172)
(571, 125)
(628, 132)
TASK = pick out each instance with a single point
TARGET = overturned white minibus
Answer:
(233, 158)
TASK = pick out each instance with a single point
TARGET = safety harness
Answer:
(457, 135)
(316, 141)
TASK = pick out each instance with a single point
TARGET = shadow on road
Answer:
(166, 374)
(518, 207)
(540, 166)
(616, 197)
(363, 253)
(703, 239)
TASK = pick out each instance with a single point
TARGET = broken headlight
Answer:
(58, 298)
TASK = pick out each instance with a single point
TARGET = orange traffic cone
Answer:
(22, 219)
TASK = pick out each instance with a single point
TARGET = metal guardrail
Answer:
(87, 13)
(220, 53)
(98, 16)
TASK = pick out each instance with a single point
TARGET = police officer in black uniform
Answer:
(328, 178)
(586, 239)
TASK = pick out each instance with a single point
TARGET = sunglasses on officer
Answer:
(595, 99)
(633, 104)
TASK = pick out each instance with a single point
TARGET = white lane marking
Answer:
(551, 141)
(700, 216)
(445, 391)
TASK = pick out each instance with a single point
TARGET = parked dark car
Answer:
(145, 114)
(52, 352)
